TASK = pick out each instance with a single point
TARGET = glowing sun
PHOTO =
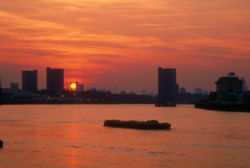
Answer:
(73, 86)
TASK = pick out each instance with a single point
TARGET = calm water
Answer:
(64, 136)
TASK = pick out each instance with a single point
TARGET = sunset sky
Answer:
(103, 43)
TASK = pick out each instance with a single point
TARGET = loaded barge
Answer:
(148, 125)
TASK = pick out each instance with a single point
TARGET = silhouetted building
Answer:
(177, 88)
(167, 87)
(79, 87)
(182, 90)
(229, 88)
(228, 97)
(246, 97)
(55, 80)
(244, 85)
(14, 86)
(93, 89)
(198, 91)
(205, 93)
(29, 80)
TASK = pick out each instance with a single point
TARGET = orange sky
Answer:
(122, 42)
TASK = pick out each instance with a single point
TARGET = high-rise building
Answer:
(29, 80)
(167, 86)
(55, 80)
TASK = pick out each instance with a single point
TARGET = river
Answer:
(73, 136)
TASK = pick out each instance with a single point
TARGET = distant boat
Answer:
(148, 125)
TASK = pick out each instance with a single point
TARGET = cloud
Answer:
(97, 37)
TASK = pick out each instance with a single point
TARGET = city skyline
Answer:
(55, 82)
(67, 84)
(121, 43)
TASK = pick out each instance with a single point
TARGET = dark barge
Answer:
(148, 125)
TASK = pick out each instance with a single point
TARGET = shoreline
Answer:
(228, 107)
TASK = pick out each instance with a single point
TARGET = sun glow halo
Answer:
(73, 86)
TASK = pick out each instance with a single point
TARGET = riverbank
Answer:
(230, 107)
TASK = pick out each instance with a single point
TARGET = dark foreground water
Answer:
(73, 136)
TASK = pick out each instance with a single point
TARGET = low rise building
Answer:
(229, 89)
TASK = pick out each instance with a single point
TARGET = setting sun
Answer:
(73, 86)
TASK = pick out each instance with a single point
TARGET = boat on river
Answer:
(145, 125)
